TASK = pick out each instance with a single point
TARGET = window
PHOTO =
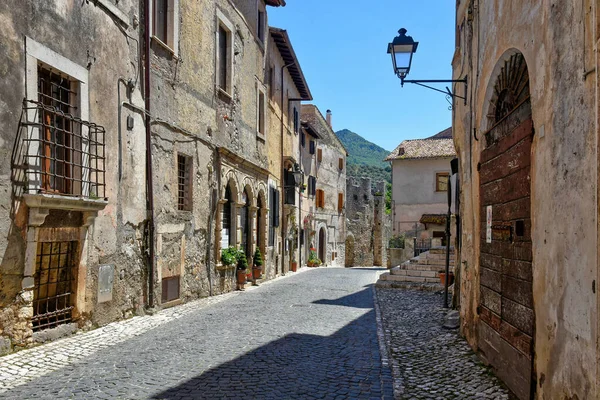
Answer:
(64, 152)
(296, 120)
(441, 181)
(261, 26)
(341, 163)
(289, 187)
(340, 202)
(165, 19)
(261, 111)
(271, 82)
(224, 52)
(170, 289)
(53, 284)
(159, 23)
(311, 147)
(319, 155)
(320, 199)
(273, 213)
(312, 185)
(303, 139)
(184, 182)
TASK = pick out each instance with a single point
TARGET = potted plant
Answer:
(242, 265)
(442, 275)
(294, 265)
(313, 260)
(257, 265)
(229, 256)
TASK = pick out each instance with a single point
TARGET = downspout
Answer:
(283, 225)
(149, 183)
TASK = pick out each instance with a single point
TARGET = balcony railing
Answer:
(58, 153)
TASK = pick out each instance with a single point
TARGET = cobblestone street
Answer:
(429, 361)
(310, 335)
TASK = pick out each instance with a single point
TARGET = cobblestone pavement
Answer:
(427, 360)
(310, 335)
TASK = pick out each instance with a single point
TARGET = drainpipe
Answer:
(283, 225)
(149, 183)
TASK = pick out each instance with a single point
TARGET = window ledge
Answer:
(224, 94)
(261, 136)
(58, 202)
(165, 46)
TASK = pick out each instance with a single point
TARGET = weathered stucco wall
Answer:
(557, 40)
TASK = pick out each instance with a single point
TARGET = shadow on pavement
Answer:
(362, 299)
(346, 364)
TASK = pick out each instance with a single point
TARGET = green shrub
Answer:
(396, 242)
(258, 261)
(229, 256)
(242, 260)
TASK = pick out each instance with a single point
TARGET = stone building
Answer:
(287, 88)
(420, 172)
(527, 139)
(144, 146)
(323, 202)
(369, 227)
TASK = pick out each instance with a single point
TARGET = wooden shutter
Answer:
(341, 163)
(319, 155)
(340, 202)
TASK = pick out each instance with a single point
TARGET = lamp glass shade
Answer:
(297, 177)
(402, 49)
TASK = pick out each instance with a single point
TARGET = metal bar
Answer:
(437, 90)
(464, 80)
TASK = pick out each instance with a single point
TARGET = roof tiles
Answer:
(437, 146)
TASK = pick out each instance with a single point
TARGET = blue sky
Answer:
(341, 46)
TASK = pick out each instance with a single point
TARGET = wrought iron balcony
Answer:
(57, 153)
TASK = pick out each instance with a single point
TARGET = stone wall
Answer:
(563, 177)
(369, 227)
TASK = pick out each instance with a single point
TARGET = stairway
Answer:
(421, 272)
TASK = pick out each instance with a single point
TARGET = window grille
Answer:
(58, 152)
(53, 284)
(184, 183)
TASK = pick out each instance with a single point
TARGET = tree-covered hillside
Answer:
(366, 158)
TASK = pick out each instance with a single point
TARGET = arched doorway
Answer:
(322, 245)
(507, 320)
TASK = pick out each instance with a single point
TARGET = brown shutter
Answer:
(341, 163)
(340, 202)
(319, 155)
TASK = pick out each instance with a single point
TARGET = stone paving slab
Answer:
(429, 361)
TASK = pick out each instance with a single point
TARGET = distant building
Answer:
(324, 199)
(420, 171)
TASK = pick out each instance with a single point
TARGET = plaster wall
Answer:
(564, 178)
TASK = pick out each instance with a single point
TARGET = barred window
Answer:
(184, 182)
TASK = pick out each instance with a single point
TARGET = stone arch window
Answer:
(245, 224)
(228, 219)
(511, 88)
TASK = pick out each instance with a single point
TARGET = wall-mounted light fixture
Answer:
(402, 49)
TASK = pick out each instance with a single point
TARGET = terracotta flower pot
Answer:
(294, 266)
(241, 276)
(256, 272)
(443, 278)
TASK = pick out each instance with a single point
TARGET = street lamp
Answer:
(297, 174)
(402, 49)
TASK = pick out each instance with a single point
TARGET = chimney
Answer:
(329, 118)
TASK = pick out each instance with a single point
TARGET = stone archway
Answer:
(507, 321)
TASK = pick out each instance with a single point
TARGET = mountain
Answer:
(366, 158)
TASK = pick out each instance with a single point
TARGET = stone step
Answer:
(405, 278)
(430, 287)
(440, 250)
(412, 272)
(419, 267)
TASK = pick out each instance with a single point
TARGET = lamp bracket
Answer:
(421, 82)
